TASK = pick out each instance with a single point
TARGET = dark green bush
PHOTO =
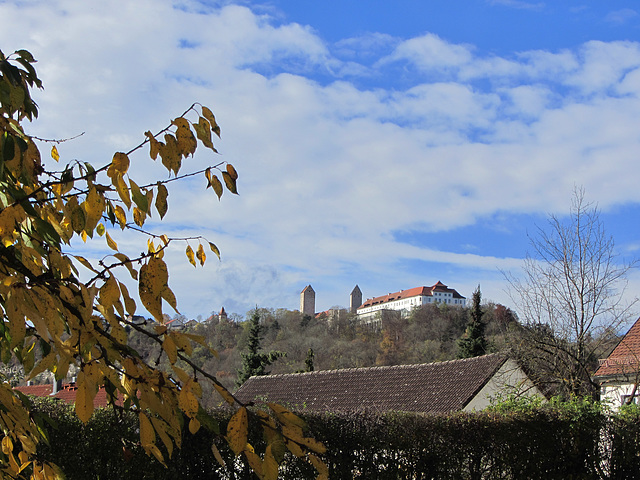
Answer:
(514, 440)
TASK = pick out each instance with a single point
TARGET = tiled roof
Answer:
(625, 358)
(67, 393)
(412, 292)
(430, 388)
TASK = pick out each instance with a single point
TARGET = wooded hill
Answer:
(430, 333)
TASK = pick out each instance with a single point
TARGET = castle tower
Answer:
(355, 299)
(308, 301)
(222, 315)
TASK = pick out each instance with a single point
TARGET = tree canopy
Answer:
(54, 319)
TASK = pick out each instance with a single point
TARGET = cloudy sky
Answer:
(384, 144)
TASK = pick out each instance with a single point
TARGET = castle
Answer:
(403, 301)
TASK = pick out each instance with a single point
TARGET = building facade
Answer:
(406, 300)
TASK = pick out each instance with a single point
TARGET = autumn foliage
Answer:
(54, 321)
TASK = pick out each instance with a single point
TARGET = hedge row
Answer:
(569, 441)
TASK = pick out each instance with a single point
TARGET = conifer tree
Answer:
(474, 343)
(254, 362)
(309, 360)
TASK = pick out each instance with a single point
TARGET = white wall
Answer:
(509, 379)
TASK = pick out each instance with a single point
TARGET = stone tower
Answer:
(355, 299)
(308, 301)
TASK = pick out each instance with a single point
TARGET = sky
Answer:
(384, 144)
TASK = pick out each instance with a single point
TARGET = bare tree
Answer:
(573, 288)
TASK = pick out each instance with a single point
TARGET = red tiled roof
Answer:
(625, 358)
(412, 292)
(429, 388)
(67, 393)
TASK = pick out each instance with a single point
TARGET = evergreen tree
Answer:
(253, 361)
(309, 360)
(474, 343)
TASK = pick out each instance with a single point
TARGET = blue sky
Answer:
(384, 144)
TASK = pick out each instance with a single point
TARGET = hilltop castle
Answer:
(403, 301)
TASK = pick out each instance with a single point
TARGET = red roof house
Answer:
(619, 374)
(66, 393)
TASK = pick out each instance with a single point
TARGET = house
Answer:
(62, 391)
(406, 300)
(443, 387)
(619, 373)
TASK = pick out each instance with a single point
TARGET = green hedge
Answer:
(554, 441)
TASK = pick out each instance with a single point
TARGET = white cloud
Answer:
(329, 170)
(621, 16)
(430, 52)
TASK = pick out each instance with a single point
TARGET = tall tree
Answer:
(54, 317)
(474, 343)
(573, 288)
(308, 361)
(255, 362)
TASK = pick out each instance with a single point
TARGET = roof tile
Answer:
(430, 388)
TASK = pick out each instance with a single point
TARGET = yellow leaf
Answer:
(152, 285)
(94, 206)
(147, 435)
(203, 131)
(121, 216)
(285, 416)
(119, 165)
(169, 346)
(200, 255)
(112, 245)
(84, 400)
(138, 216)
(122, 189)
(320, 466)
(153, 144)
(232, 171)
(109, 292)
(230, 182)
(54, 153)
(255, 462)
(188, 403)
(161, 428)
(100, 229)
(217, 186)
(194, 425)
(212, 120)
(190, 255)
(170, 154)
(214, 249)
(225, 394)
(85, 262)
(127, 263)
(161, 200)
(187, 143)
(129, 303)
(270, 465)
(237, 431)
(216, 454)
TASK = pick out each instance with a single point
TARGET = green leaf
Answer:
(138, 197)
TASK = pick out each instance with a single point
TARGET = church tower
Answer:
(355, 299)
(308, 301)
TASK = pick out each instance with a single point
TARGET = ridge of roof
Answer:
(384, 367)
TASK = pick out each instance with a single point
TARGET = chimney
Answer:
(57, 386)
